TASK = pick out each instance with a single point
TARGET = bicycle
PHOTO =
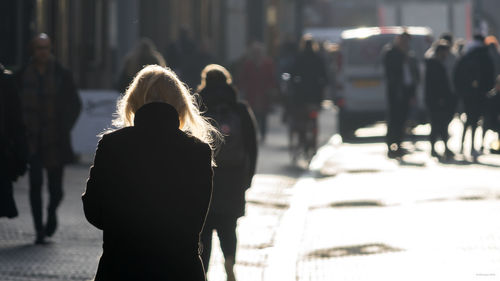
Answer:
(302, 133)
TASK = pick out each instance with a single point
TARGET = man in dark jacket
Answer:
(13, 149)
(51, 106)
(474, 77)
(402, 78)
(439, 98)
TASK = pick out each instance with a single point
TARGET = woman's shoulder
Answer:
(192, 141)
(116, 135)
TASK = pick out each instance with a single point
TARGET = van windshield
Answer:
(368, 51)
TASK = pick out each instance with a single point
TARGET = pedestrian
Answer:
(494, 51)
(13, 147)
(258, 84)
(474, 78)
(194, 64)
(51, 106)
(439, 98)
(181, 50)
(236, 161)
(150, 186)
(308, 82)
(492, 115)
(402, 78)
(143, 54)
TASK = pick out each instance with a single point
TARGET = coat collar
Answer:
(157, 114)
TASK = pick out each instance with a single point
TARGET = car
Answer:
(361, 98)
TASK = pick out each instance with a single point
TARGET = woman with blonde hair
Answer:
(151, 182)
(236, 161)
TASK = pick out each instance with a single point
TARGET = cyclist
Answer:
(308, 80)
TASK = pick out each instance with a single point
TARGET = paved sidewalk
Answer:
(377, 219)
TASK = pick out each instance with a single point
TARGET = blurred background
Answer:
(92, 37)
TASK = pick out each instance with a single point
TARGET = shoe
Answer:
(448, 153)
(402, 151)
(392, 154)
(434, 153)
(229, 267)
(474, 153)
(51, 226)
(40, 238)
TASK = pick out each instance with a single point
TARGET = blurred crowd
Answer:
(460, 78)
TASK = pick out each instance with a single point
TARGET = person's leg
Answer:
(55, 178)
(228, 242)
(206, 242)
(391, 127)
(403, 111)
(433, 134)
(35, 195)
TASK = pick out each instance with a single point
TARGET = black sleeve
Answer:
(93, 197)
(17, 147)
(204, 182)
(250, 131)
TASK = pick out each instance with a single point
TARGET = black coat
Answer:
(13, 147)
(474, 74)
(308, 79)
(149, 191)
(394, 60)
(51, 138)
(230, 183)
(438, 94)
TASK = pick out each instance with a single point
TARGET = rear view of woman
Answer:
(236, 162)
(150, 186)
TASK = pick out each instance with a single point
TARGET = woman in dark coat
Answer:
(151, 183)
(439, 98)
(236, 161)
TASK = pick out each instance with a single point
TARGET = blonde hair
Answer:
(160, 84)
(214, 74)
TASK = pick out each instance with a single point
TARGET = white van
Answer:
(362, 96)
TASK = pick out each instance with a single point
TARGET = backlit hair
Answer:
(160, 84)
(214, 74)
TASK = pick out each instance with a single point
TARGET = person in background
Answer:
(308, 82)
(493, 48)
(439, 97)
(13, 147)
(492, 115)
(258, 84)
(402, 77)
(51, 106)
(236, 162)
(150, 186)
(474, 78)
(143, 54)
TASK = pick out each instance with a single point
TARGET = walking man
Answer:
(51, 107)
(439, 97)
(402, 78)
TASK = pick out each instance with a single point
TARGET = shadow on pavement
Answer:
(463, 162)
(268, 204)
(355, 250)
(381, 139)
(351, 204)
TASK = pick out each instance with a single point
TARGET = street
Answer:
(354, 215)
